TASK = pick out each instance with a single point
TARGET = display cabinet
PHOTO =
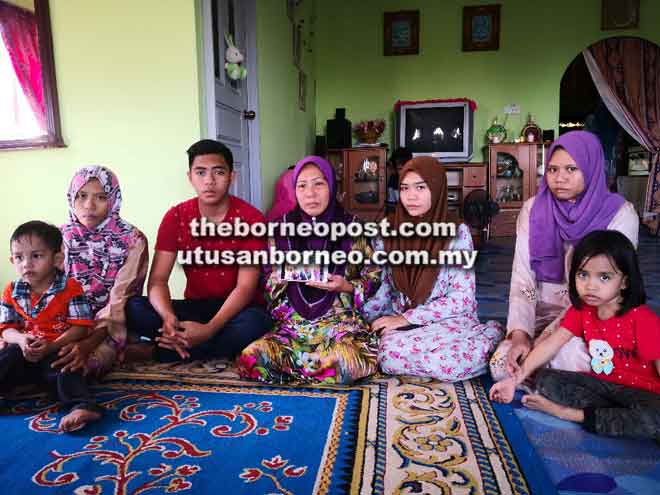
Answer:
(361, 186)
(515, 171)
(462, 179)
(361, 181)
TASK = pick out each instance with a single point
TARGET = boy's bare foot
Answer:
(540, 403)
(77, 419)
(139, 352)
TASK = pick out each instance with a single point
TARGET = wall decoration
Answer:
(638, 161)
(496, 133)
(619, 14)
(290, 9)
(297, 44)
(234, 60)
(401, 33)
(481, 28)
(302, 90)
(531, 133)
(369, 131)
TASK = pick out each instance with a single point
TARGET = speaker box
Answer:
(338, 131)
(320, 146)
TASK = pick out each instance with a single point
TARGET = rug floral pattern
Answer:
(392, 436)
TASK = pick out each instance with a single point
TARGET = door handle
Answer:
(249, 114)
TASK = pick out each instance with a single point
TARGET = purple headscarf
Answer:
(309, 302)
(553, 222)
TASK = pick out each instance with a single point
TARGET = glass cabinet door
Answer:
(365, 179)
(509, 180)
(337, 161)
(540, 168)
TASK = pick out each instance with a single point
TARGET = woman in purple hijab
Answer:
(571, 201)
(320, 335)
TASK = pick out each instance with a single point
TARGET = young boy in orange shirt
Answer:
(40, 312)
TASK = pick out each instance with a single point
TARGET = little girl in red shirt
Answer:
(620, 396)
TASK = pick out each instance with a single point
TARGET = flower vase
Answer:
(370, 136)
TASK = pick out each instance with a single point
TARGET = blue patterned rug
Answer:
(197, 428)
(580, 463)
(173, 437)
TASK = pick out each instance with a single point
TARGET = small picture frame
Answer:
(481, 28)
(619, 14)
(304, 273)
(290, 9)
(638, 161)
(302, 91)
(401, 33)
(297, 44)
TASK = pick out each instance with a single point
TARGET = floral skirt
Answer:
(332, 349)
(450, 350)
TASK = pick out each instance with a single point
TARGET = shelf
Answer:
(375, 179)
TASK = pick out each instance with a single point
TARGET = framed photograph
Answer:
(481, 28)
(638, 161)
(619, 14)
(302, 90)
(290, 9)
(297, 45)
(401, 33)
(304, 273)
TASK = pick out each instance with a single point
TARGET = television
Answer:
(439, 128)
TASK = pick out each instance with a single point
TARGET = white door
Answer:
(232, 104)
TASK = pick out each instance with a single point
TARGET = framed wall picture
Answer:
(302, 90)
(297, 44)
(481, 28)
(401, 33)
(290, 9)
(638, 160)
(619, 14)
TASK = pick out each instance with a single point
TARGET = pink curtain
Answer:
(626, 73)
(19, 33)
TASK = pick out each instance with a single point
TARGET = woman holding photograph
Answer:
(427, 314)
(320, 335)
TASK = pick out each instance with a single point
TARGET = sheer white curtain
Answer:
(17, 120)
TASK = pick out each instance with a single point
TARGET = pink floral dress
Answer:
(450, 344)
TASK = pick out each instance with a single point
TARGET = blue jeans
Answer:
(244, 328)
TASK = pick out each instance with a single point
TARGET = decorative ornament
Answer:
(234, 58)
(369, 131)
(531, 133)
(496, 133)
(601, 356)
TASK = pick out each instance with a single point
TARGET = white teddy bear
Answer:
(601, 356)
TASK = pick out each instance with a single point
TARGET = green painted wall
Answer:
(127, 83)
(287, 133)
(26, 4)
(129, 93)
(537, 42)
(130, 96)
